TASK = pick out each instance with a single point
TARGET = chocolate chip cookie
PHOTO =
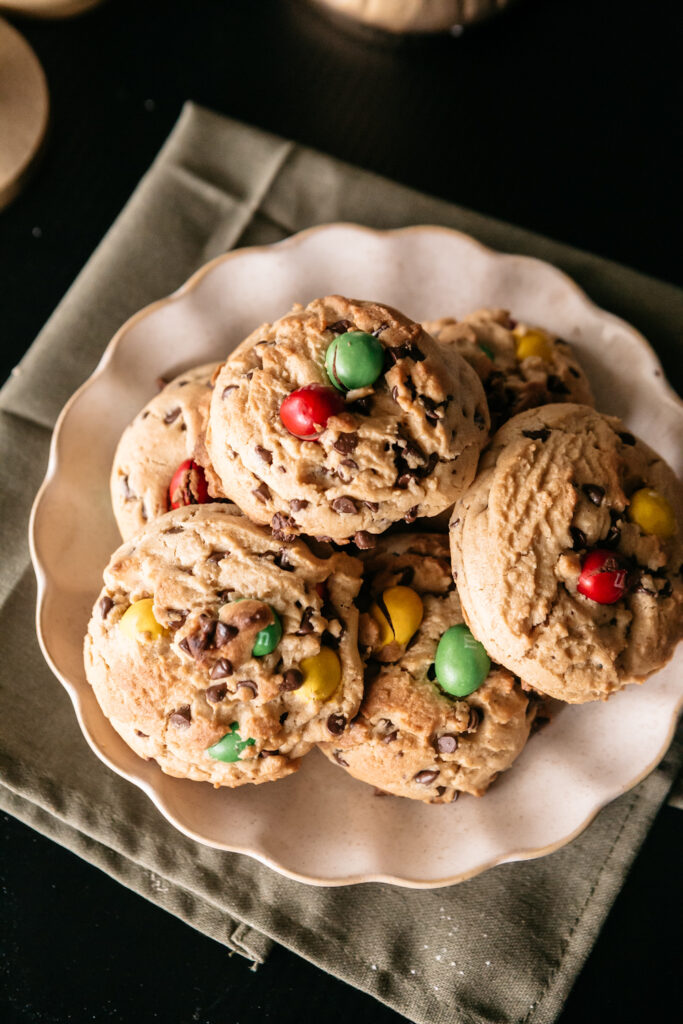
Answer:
(154, 466)
(437, 718)
(220, 653)
(342, 418)
(567, 550)
(520, 366)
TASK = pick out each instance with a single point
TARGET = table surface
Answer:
(559, 116)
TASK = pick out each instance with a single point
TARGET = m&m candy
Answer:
(230, 746)
(188, 485)
(403, 606)
(354, 360)
(138, 622)
(322, 674)
(533, 343)
(652, 513)
(604, 577)
(305, 412)
(461, 663)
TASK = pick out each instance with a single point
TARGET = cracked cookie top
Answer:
(161, 438)
(567, 550)
(220, 653)
(520, 366)
(411, 737)
(401, 446)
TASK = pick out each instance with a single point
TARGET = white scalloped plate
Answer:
(320, 825)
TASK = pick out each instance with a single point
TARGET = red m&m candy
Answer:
(188, 485)
(306, 411)
(604, 577)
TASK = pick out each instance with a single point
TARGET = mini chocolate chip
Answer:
(173, 529)
(330, 640)
(363, 405)
(556, 385)
(426, 777)
(340, 327)
(106, 605)
(216, 693)
(372, 505)
(344, 506)
(613, 536)
(142, 735)
(440, 790)
(390, 736)
(283, 527)
(202, 637)
(226, 391)
(411, 514)
(269, 753)
(291, 680)
(345, 443)
(305, 626)
(640, 588)
(578, 538)
(574, 372)
(283, 717)
(281, 560)
(266, 455)
(349, 463)
(364, 540)
(339, 759)
(261, 492)
(336, 724)
(224, 633)
(184, 646)
(474, 720)
(221, 669)
(249, 374)
(447, 744)
(181, 717)
(297, 504)
(216, 556)
(128, 493)
(394, 392)
(404, 480)
(594, 493)
(172, 416)
(626, 438)
(537, 435)
(248, 684)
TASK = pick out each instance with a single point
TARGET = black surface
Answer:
(561, 116)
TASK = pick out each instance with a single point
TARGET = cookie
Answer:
(521, 367)
(220, 653)
(568, 553)
(157, 448)
(413, 737)
(342, 418)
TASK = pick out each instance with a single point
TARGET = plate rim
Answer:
(524, 853)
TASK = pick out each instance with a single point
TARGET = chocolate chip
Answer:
(281, 560)
(339, 759)
(426, 777)
(128, 493)
(594, 493)
(345, 443)
(556, 385)
(266, 455)
(261, 492)
(226, 391)
(248, 684)
(349, 463)
(283, 717)
(269, 753)
(198, 641)
(249, 374)
(172, 416)
(181, 718)
(378, 330)
(406, 351)
(372, 505)
(297, 504)
(403, 481)
(627, 438)
(106, 605)
(440, 790)
(142, 735)
(215, 694)
(221, 669)
(283, 527)
(475, 719)
(411, 514)
(613, 536)
(344, 506)
(291, 680)
(224, 633)
(340, 326)
(336, 724)
(394, 392)
(363, 405)
(578, 538)
(364, 540)
(184, 646)
(537, 435)
(305, 626)
(173, 529)
(447, 744)
(390, 736)
(216, 556)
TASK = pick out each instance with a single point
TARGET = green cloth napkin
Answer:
(505, 946)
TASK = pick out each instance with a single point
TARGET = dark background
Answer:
(562, 116)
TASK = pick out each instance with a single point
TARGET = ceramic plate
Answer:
(320, 825)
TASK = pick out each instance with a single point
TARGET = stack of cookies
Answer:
(392, 541)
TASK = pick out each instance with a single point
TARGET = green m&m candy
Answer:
(269, 637)
(354, 360)
(461, 663)
(231, 746)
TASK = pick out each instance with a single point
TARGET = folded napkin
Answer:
(505, 946)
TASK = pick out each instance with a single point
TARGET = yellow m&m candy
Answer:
(652, 513)
(138, 622)
(533, 343)
(322, 674)
(403, 615)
